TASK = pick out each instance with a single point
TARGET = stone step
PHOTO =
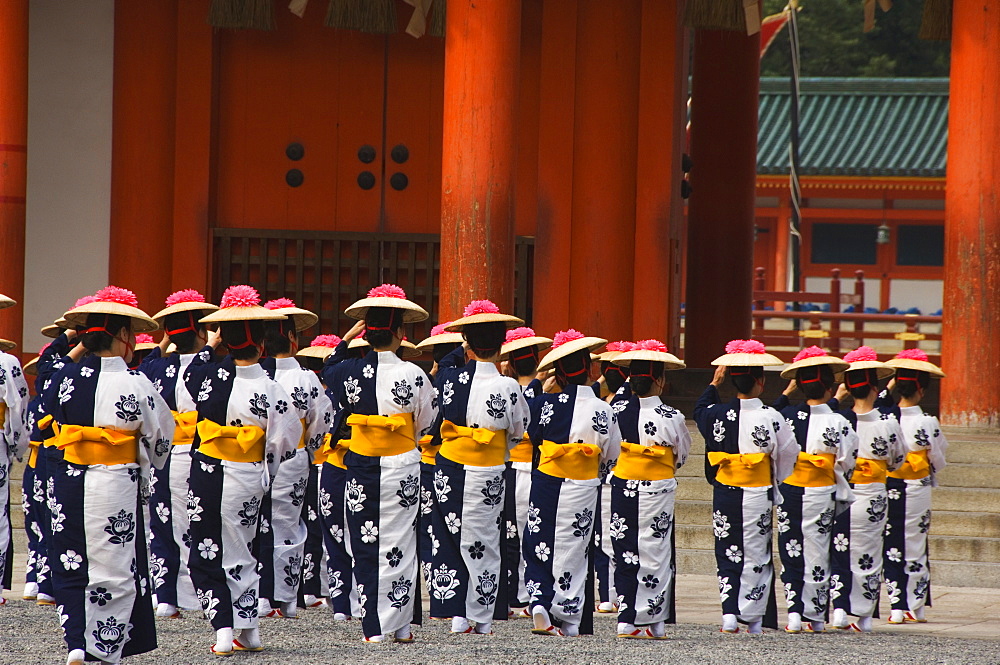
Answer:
(966, 499)
(696, 561)
(959, 548)
(971, 452)
(968, 475)
(694, 489)
(693, 512)
(969, 524)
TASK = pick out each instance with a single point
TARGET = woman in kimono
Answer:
(170, 545)
(643, 491)
(819, 484)
(858, 532)
(482, 416)
(520, 355)
(281, 539)
(246, 429)
(111, 425)
(907, 571)
(749, 450)
(33, 492)
(574, 432)
(387, 403)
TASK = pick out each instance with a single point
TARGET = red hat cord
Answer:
(647, 345)
(241, 295)
(178, 297)
(810, 352)
(910, 354)
(861, 354)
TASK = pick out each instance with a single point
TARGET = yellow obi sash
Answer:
(3, 414)
(302, 438)
(33, 453)
(867, 471)
(97, 445)
(45, 423)
(337, 452)
(575, 461)
(473, 446)
(319, 457)
(185, 424)
(738, 470)
(914, 467)
(382, 436)
(813, 471)
(233, 444)
(427, 451)
(638, 462)
(523, 451)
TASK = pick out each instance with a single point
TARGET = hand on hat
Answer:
(720, 376)
(842, 392)
(789, 389)
(355, 330)
(214, 338)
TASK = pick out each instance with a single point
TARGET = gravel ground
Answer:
(30, 634)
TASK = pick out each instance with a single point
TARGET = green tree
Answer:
(832, 42)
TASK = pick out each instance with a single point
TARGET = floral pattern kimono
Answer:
(14, 435)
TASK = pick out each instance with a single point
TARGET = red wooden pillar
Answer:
(13, 159)
(142, 149)
(725, 84)
(605, 140)
(970, 395)
(481, 58)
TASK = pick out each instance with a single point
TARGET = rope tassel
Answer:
(935, 24)
(372, 16)
(242, 14)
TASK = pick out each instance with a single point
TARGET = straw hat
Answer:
(303, 318)
(31, 367)
(811, 357)
(615, 349)
(186, 300)
(144, 342)
(391, 296)
(440, 336)
(7, 345)
(568, 342)
(6, 302)
(357, 343)
(482, 311)
(55, 329)
(522, 338)
(114, 301)
(864, 357)
(653, 351)
(746, 353)
(241, 303)
(321, 347)
(408, 350)
(915, 359)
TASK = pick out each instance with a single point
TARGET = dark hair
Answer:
(183, 329)
(614, 375)
(439, 351)
(138, 357)
(524, 361)
(381, 323)
(276, 340)
(485, 339)
(106, 328)
(909, 380)
(860, 382)
(358, 351)
(574, 368)
(814, 381)
(643, 374)
(234, 336)
(309, 362)
(744, 378)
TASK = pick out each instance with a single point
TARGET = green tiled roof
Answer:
(857, 127)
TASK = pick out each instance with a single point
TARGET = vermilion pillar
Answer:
(970, 395)
(142, 150)
(605, 141)
(479, 148)
(725, 83)
(13, 158)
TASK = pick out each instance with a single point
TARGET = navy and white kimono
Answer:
(655, 442)
(14, 436)
(753, 442)
(604, 554)
(99, 564)
(383, 491)
(467, 525)
(516, 497)
(170, 546)
(858, 532)
(907, 571)
(580, 428)
(282, 536)
(224, 499)
(34, 504)
(828, 446)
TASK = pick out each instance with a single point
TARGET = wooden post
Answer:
(859, 306)
(482, 53)
(834, 344)
(759, 284)
(13, 159)
(970, 395)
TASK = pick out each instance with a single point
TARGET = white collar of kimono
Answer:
(113, 364)
(911, 410)
(870, 416)
(388, 357)
(286, 363)
(488, 369)
(820, 408)
(249, 371)
(750, 404)
(652, 400)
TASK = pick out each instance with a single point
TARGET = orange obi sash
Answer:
(33, 453)
(233, 444)
(473, 446)
(43, 424)
(337, 452)
(319, 457)
(97, 445)
(738, 470)
(813, 471)
(575, 461)
(914, 467)
(185, 424)
(3, 414)
(637, 462)
(382, 436)
(427, 451)
(302, 438)
(523, 451)
(867, 471)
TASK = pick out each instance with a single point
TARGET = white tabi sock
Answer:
(250, 637)
(404, 633)
(290, 610)
(540, 616)
(484, 627)
(919, 613)
(625, 628)
(865, 624)
(896, 616)
(658, 629)
(223, 640)
(571, 629)
(606, 607)
(340, 616)
(729, 623)
(166, 610)
(755, 627)
(840, 618)
(794, 621)
(459, 624)
(76, 657)
(30, 591)
(817, 626)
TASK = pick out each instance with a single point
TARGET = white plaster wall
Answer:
(926, 294)
(69, 157)
(822, 285)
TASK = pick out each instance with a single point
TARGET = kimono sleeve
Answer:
(613, 446)
(157, 431)
(14, 393)
(681, 440)
(939, 447)
(847, 452)
(536, 429)
(897, 445)
(454, 358)
(424, 413)
(284, 430)
(150, 361)
(703, 409)
(786, 451)
(519, 420)
(319, 417)
(328, 372)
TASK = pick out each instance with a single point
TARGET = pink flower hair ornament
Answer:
(279, 303)
(651, 345)
(184, 295)
(620, 346)
(144, 338)
(745, 346)
(86, 300)
(387, 291)
(116, 294)
(809, 352)
(439, 329)
(330, 341)
(861, 354)
(564, 336)
(240, 295)
(515, 334)
(480, 307)
(912, 354)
